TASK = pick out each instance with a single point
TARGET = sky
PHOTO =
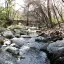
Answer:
(20, 2)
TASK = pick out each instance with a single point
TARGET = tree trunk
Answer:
(44, 16)
(49, 14)
(55, 15)
(59, 14)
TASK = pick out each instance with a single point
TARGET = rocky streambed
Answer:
(18, 46)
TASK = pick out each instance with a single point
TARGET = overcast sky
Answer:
(20, 2)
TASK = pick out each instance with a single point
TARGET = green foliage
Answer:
(6, 12)
(15, 26)
(2, 13)
(2, 16)
(54, 20)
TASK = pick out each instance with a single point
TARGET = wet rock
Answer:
(14, 45)
(18, 41)
(8, 34)
(7, 42)
(12, 50)
(56, 47)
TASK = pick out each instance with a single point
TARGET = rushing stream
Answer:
(21, 49)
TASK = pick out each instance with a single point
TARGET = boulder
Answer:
(12, 50)
(14, 45)
(7, 42)
(8, 34)
(18, 41)
(56, 47)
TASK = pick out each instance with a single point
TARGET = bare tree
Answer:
(55, 15)
(49, 13)
(44, 11)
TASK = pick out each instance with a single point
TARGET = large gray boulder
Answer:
(32, 56)
(6, 58)
(12, 50)
(18, 41)
(8, 34)
(56, 47)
